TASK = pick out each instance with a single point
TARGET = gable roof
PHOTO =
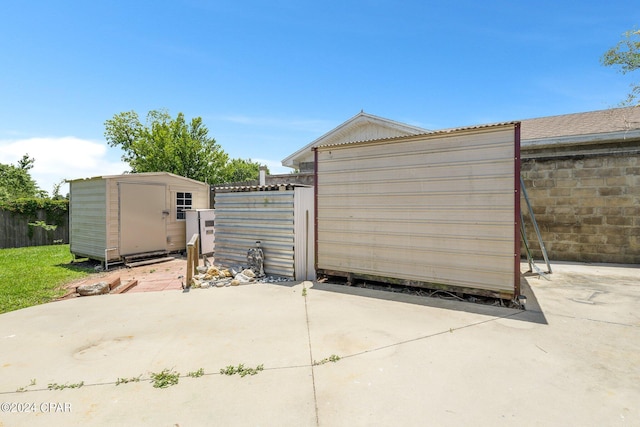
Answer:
(592, 127)
(343, 131)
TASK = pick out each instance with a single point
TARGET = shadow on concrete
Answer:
(532, 313)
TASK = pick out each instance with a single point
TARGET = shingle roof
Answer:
(592, 122)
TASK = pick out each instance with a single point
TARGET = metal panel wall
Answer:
(244, 217)
(87, 218)
(432, 208)
(304, 234)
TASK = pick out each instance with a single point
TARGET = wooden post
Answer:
(192, 258)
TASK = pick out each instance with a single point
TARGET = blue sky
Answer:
(268, 77)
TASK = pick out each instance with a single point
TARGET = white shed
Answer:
(117, 216)
(433, 210)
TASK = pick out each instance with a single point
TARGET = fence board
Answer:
(15, 231)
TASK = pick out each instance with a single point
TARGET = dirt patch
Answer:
(153, 277)
(425, 292)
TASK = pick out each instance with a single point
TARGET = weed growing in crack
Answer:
(56, 386)
(196, 374)
(333, 358)
(128, 380)
(304, 291)
(23, 389)
(165, 378)
(241, 370)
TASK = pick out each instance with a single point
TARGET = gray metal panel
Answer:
(87, 218)
(244, 217)
(430, 208)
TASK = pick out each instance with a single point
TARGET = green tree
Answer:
(626, 55)
(165, 144)
(16, 181)
(239, 170)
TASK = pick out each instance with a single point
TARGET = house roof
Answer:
(361, 119)
(592, 127)
(592, 122)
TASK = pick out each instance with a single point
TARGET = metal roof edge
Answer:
(429, 134)
(249, 188)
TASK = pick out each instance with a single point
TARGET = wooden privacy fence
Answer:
(16, 231)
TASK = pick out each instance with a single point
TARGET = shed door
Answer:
(142, 221)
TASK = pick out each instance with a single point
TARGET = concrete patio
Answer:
(572, 358)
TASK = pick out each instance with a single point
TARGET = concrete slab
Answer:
(403, 360)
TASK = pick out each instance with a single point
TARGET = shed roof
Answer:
(423, 134)
(134, 176)
(248, 188)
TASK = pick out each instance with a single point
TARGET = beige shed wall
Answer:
(176, 229)
(436, 208)
(98, 210)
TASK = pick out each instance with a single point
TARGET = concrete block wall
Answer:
(587, 207)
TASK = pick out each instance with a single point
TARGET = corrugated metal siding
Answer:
(87, 218)
(244, 217)
(436, 209)
(113, 218)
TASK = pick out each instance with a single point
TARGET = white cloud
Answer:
(60, 158)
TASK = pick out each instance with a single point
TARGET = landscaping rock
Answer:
(99, 288)
(255, 259)
(219, 276)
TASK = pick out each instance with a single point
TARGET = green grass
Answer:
(34, 275)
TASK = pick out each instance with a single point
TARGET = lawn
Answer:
(35, 275)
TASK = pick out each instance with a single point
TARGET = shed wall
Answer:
(245, 217)
(437, 209)
(88, 218)
(95, 212)
(175, 228)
